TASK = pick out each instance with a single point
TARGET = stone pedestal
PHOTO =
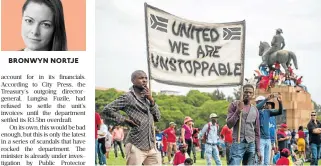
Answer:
(297, 105)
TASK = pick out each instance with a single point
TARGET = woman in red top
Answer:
(170, 134)
(180, 156)
(285, 153)
(196, 142)
(301, 142)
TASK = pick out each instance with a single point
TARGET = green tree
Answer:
(219, 107)
(229, 99)
(237, 93)
(196, 98)
(104, 97)
(217, 95)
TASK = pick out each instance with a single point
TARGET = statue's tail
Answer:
(293, 56)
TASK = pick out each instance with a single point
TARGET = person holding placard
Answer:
(244, 119)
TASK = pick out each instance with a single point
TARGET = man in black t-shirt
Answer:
(314, 127)
(282, 137)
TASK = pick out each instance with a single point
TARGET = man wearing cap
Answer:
(314, 127)
(211, 150)
(265, 114)
(170, 134)
(282, 137)
(276, 45)
(249, 137)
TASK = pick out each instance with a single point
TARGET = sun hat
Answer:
(272, 103)
(187, 119)
(279, 30)
(172, 123)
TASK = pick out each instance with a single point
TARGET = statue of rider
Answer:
(276, 45)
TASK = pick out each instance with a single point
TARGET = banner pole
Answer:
(154, 132)
(240, 118)
(149, 72)
(242, 77)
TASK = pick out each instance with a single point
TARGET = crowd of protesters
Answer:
(249, 137)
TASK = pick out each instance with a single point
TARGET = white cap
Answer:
(213, 115)
(260, 98)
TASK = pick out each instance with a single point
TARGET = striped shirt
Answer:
(139, 110)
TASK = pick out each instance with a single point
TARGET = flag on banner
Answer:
(195, 54)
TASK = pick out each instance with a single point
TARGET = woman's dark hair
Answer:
(59, 38)
(301, 128)
(188, 161)
(284, 154)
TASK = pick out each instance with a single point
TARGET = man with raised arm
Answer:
(266, 110)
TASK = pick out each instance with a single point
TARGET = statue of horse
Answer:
(283, 57)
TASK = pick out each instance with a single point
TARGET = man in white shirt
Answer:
(211, 131)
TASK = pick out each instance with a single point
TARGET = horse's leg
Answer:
(265, 59)
(270, 68)
(285, 67)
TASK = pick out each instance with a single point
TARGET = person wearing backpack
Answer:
(209, 135)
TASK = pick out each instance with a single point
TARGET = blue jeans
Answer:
(212, 151)
(101, 155)
(96, 151)
(315, 150)
(227, 152)
(202, 150)
(265, 147)
(239, 150)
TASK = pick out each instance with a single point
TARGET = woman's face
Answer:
(37, 27)
(189, 123)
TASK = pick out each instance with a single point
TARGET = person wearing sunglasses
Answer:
(314, 127)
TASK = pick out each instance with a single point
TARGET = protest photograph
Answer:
(207, 82)
(43, 25)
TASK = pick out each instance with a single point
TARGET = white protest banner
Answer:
(195, 54)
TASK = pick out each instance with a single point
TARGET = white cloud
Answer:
(121, 45)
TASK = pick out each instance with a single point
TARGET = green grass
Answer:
(122, 161)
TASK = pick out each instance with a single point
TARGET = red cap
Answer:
(284, 125)
(286, 151)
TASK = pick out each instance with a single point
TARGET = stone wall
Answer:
(297, 104)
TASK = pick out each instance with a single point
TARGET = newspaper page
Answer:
(47, 80)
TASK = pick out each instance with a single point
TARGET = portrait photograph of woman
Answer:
(43, 25)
